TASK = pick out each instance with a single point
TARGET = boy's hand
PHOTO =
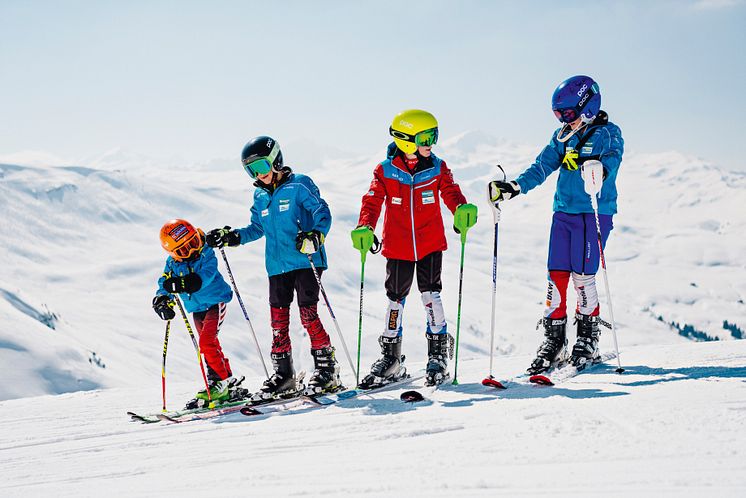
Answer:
(189, 283)
(309, 242)
(503, 191)
(465, 217)
(220, 237)
(163, 306)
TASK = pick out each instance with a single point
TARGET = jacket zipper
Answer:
(411, 212)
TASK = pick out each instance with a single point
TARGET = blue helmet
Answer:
(575, 97)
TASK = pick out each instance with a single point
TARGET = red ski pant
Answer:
(585, 286)
(309, 317)
(208, 325)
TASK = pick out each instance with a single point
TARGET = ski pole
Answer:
(496, 219)
(243, 308)
(196, 347)
(460, 294)
(163, 368)
(363, 255)
(331, 312)
(594, 205)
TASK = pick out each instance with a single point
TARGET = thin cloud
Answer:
(716, 4)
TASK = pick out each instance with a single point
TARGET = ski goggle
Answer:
(424, 138)
(260, 166)
(188, 248)
(567, 115)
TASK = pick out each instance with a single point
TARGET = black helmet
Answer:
(261, 155)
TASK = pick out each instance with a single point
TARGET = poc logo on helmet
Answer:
(584, 88)
(405, 123)
(269, 143)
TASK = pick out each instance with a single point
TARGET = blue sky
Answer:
(198, 79)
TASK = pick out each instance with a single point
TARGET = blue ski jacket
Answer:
(601, 141)
(214, 289)
(279, 213)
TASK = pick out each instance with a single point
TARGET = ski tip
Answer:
(411, 397)
(619, 370)
(492, 382)
(542, 380)
(249, 411)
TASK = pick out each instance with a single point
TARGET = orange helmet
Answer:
(181, 240)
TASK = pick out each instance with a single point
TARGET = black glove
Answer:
(503, 191)
(163, 307)
(220, 237)
(309, 242)
(190, 284)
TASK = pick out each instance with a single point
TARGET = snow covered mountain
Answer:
(82, 255)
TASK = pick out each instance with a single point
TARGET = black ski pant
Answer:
(400, 275)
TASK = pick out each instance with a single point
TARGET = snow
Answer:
(672, 425)
(81, 258)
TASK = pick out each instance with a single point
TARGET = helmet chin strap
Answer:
(584, 122)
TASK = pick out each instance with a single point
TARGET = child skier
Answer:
(586, 139)
(192, 272)
(411, 182)
(288, 210)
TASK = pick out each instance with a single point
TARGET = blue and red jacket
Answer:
(412, 225)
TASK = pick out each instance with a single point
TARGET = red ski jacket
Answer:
(412, 225)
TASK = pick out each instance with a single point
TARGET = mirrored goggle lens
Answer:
(566, 115)
(259, 167)
(427, 137)
(188, 248)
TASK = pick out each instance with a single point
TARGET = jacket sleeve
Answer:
(166, 274)
(610, 148)
(255, 229)
(372, 201)
(546, 163)
(310, 198)
(450, 192)
(208, 268)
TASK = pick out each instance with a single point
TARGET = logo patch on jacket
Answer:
(396, 201)
(587, 148)
(428, 197)
(265, 212)
(284, 205)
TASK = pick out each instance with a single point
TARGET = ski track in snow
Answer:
(672, 425)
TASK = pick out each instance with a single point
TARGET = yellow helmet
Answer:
(414, 127)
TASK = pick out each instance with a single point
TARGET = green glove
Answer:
(362, 238)
(464, 218)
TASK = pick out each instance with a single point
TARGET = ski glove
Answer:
(189, 283)
(464, 217)
(220, 237)
(503, 191)
(309, 242)
(163, 307)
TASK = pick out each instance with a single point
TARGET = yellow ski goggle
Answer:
(424, 138)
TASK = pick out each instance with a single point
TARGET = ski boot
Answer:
(553, 351)
(585, 350)
(283, 383)
(325, 378)
(219, 393)
(439, 350)
(389, 367)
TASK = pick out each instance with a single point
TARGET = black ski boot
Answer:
(389, 367)
(439, 350)
(585, 350)
(283, 383)
(553, 351)
(325, 378)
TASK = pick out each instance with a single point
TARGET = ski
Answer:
(157, 417)
(330, 399)
(566, 372)
(248, 409)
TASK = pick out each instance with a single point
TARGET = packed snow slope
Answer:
(671, 426)
(81, 259)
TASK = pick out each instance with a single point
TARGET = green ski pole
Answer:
(469, 219)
